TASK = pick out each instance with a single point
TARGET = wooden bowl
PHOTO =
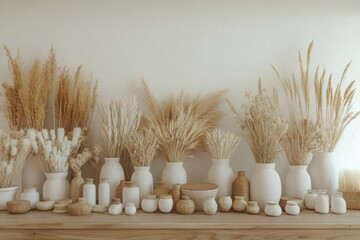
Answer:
(283, 202)
(198, 192)
(18, 206)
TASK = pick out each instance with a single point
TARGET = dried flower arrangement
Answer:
(15, 149)
(261, 126)
(221, 144)
(54, 149)
(303, 135)
(182, 122)
(142, 147)
(75, 163)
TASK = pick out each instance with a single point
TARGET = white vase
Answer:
(130, 209)
(166, 203)
(292, 208)
(7, 194)
(338, 204)
(323, 172)
(113, 172)
(322, 203)
(32, 175)
(210, 206)
(265, 184)
(174, 173)
(273, 209)
(31, 195)
(104, 193)
(143, 178)
(56, 186)
(89, 191)
(131, 194)
(297, 182)
(221, 174)
(225, 203)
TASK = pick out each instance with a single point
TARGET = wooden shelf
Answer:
(46, 225)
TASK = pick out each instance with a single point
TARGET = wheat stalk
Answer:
(349, 180)
(260, 125)
(221, 144)
(142, 147)
(182, 122)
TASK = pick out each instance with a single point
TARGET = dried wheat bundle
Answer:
(349, 181)
(261, 126)
(15, 149)
(142, 147)
(182, 122)
(118, 119)
(55, 149)
(303, 135)
(221, 144)
(11, 96)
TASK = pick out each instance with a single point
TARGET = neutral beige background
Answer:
(198, 46)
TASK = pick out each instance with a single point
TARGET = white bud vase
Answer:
(323, 172)
(104, 193)
(265, 184)
(221, 174)
(89, 191)
(174, 173)
(113, 172)
(56, 186)
(143, 178)
(297, 182)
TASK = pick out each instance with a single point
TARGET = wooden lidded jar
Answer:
(162, 188)
(185, 206)
(81, 208)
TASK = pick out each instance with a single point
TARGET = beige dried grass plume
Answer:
(349, 181)
(221, 144)
(261, 126)
(182, 122)
(142, 147)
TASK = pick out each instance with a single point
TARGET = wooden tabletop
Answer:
(36, 224)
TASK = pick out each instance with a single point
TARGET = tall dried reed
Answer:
(261, 126)
(182, 122)
(221, 144)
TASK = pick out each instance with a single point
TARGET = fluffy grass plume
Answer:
(349, 181)
(181, 122)
(221, 144)
(142, 147)
(303, 135)
(261, 126)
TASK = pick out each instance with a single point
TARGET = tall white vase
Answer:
(323, 172)
(297, 182)
(113, 172)
(174, 173)
(221, 174)
(7, 194)
(265, 184)
(56, 186)
(32, 175)
(143, 178)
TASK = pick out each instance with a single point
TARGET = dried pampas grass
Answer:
(261, 126)
(182, 122)
(118, 119)
(303, 135)
(349, 181)
(221, 144)
(142, 147)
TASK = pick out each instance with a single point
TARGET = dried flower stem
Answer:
(220, 144)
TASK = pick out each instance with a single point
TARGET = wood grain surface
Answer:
(308, 225)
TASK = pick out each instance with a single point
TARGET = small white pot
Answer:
(165, 203)
(239, 204)
(115, 209)
(130, 209)
(7, 194)
(225, 203)
(210, 206)
(310, 199)
(273, 209)
(149, 203)
(292, 208)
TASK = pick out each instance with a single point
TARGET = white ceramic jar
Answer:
(273, 209)
(252, 207)
(104, 193)
(292, 208)
(89, 191)
(56, 186)
(115, 208)
(221, 174)
(225, 203)
(174, 173)
(239, 204)
(297, 182)
(166, 203)
(338, 203)
(114, 172)
(143, 178)
(130, 209)
(31, 195)
(310, 199)
(265, 184)
(7, 194)
(149, 203)
(210, 206)
(322, 203)
(130, 194)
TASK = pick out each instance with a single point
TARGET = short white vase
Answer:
(113, 172)
(221, 174)
(56, 186)
(174, 173)
(297, 182)
(143, 178)
(7, 194)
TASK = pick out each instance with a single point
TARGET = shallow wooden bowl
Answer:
(18, 206)
(198, 192)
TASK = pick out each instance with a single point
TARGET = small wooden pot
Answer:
(81, 208)
(185, 206)
(18, 206)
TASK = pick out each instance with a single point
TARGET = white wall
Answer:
(199, 46)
